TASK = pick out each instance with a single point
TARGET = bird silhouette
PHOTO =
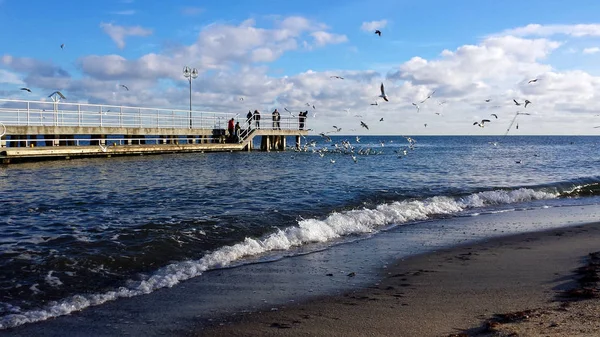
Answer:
(62, 46)
(527, 102)
(383, 95)
(124, 86)
(364, 125)
(26, 89)
(378, 32)
(516, 103)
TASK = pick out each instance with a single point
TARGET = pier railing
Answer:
(49, 113)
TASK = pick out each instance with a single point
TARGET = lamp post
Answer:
(190, 74)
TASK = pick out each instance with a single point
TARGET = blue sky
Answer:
(173, 34)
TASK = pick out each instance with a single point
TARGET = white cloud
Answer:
(125, 12)
(191, 11)
(10, 78)
(323, 38)
(119, 33)
(592, 50)
(234, 60)
(371, 26)
(550, 30)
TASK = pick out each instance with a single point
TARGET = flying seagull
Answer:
(495, 116)
(378, 32)
(428, 97)
(488, 100)
(124, 86)
(338, 77)
(527, 102)
(26, 89)
(533, 81)
(337, 129)
(62, 46)
(381, 120)
(383, 95)
(481, 124)
(375, 103)
(517, 103)
(364, 125)
(417, 106)
(58, 93)
(241, 98)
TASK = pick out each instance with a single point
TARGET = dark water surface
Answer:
(90, 231)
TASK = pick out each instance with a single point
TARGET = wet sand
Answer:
(449, 292)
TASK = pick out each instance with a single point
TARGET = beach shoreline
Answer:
(450, 291)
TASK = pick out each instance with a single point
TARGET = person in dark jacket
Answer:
(257, 119)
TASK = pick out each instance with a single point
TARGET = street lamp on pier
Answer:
(190, 74)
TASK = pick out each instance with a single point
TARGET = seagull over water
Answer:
(383, 95)
(481, 124)
(364, 125)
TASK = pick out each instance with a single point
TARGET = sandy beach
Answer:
(453, 292)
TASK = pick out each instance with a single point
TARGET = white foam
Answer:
(336, 225)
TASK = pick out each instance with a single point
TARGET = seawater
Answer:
(84, 232)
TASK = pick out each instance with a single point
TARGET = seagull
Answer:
(26, 89)
(124, 86)
(375, 103)
(383, 95)
(527, 102)
(314, 107)
(417, 106)
(104, 148)
(495, 115)
(517, 103)
(62, 46)
(338, 77)
(533, 81)
(378, 32)
(57, 93)
(332, 161)
(358, 138)
(381, 120)
(337, 129)
(327, 138)
(481, 124)
(364, 125)
(488, 100)
(241, 98)
(425, 124)
(428, 97)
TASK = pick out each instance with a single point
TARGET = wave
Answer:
(335, 226)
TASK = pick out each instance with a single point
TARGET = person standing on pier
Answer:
(257, 119)
(249, 120)
(230, 127)
(238, 129)
(276, 118)
(302, 118)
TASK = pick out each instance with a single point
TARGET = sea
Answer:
(85, 233)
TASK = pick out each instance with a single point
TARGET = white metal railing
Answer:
(42, 113)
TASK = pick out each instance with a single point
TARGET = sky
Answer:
(284, 54)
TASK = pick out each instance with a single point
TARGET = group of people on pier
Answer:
(235, 132)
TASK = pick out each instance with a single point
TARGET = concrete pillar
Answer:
(298, 142)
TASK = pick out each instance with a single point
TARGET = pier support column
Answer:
(298, 142)
(283, 143)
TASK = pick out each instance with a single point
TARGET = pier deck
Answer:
(37, 130)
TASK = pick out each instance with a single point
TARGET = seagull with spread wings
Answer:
(383, 95)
